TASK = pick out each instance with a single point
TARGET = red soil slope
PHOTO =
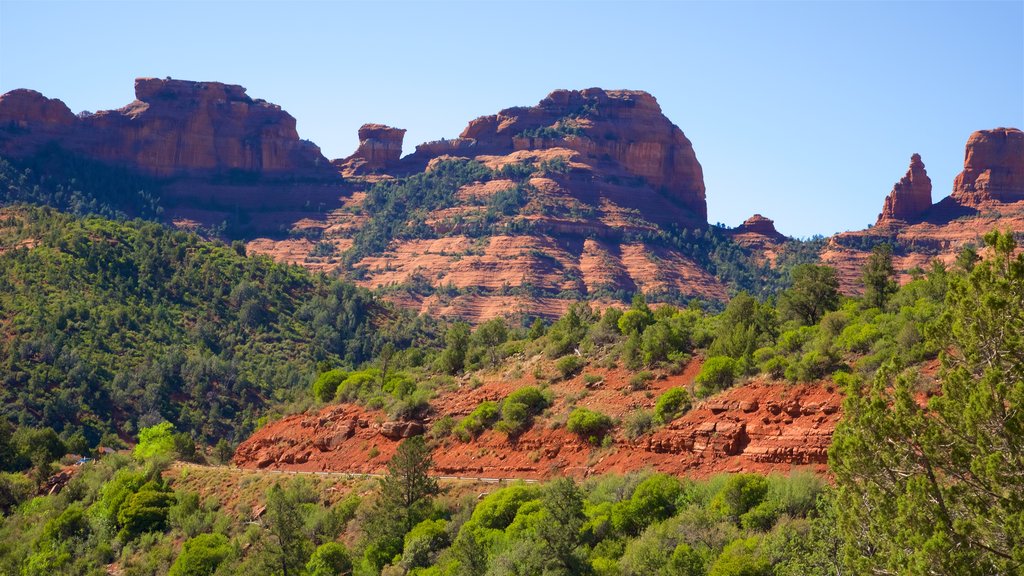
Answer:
(761, 426)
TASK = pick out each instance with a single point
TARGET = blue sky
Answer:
(806, 112)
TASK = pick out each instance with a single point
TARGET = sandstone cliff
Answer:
(174, 128)
(993, 167)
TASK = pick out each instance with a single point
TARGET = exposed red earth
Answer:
(760, 426)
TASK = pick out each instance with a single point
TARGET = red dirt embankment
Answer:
(762, 426)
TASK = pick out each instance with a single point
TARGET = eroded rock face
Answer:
(28, 110)
(173, 128)
(380, 148)
(911, 196)
(993, 167)
(758, 224)
(626, 127)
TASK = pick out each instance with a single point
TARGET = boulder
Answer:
(399, 429)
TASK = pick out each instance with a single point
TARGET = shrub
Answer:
(717, 373)
(672, 404)
(638, 423)
(481, 418)
(519, 408)
(588, 424)
(639, 381)
(568, 366)
(330, 559)
(200, 556)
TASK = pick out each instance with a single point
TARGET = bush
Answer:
(717, 373)
(589, 424)
(481, 418)
(639, 381)
(637, 424)
(568, 366)
(14, 489)
(200, 556)
(330, 559)
(326, 385)
(672, 404)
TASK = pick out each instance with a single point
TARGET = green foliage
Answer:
(588, 424)
(396, 207)
(569, 366)
(407, 489)
(14, 489)
(71, 183)
(116, 326)
(814, 292)
(519, 408)
(456, 338)
(202, 555)
(330, 559)
(739, 494)
(717, 374)
(743, 327)
(877, 276)
(653, 500)
(155, 441)
(326, 384)
(936, 486)
(287, 547)
(145, 511)
(638, 423)
(672, 404)
(480, 419)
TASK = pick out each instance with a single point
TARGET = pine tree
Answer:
(937, 487)
(878, 275)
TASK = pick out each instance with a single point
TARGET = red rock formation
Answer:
(911, 196)
(380, 148)
(28, 110)
(993, 167)
(174, 128)
(758, 224)
(623, 126)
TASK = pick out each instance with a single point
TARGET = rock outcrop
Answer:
(174, 128)
(380, 148)
(758, 224)
(911, 196)
(993, 167)
(624, 127)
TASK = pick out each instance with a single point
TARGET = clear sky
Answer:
(807, 112)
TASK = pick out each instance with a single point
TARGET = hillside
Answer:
(109, 326)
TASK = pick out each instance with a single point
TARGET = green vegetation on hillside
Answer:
(113, 326)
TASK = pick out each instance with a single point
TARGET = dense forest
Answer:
(113, 326)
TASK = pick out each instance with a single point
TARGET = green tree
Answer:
(288, 547)
(407, 490)
(453, 358)
(157, 440)
(936, 487)
(814, 292)
(562, 520)
(877, 276)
